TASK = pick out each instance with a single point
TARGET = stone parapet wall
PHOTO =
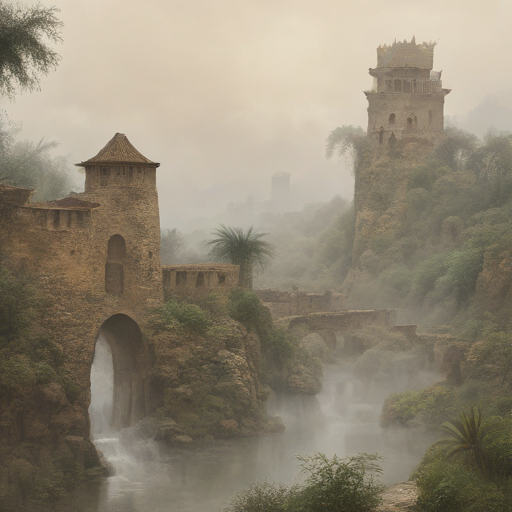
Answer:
(14, 196)
(192, 281)
(283, 304)
(342, 320)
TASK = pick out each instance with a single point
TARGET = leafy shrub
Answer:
(188, 316)
(262, 497)
(332, 485)
(429, 404)
(449, 485)
(246, 307)
(339, 485)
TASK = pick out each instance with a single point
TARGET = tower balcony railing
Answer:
(398, 85)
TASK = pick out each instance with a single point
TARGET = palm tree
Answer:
(246, 249)
(467, 434)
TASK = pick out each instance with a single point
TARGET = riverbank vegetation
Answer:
(331, 485)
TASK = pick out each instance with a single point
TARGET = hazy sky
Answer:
(224, 93)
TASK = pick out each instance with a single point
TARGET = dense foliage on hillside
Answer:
(457, 213)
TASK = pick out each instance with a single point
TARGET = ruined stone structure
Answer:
(193, 281)
(284, 304)
(97, 256)
(407, 98)
(334, 325)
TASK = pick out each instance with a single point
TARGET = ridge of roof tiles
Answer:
(119, 150)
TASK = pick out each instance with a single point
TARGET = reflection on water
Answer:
(343, 419)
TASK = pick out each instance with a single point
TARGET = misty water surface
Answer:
(341, 420)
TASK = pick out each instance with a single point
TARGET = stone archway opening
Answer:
(119, 384)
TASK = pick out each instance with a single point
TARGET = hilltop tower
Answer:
(407, 98)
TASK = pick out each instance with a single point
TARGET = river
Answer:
(341, 420)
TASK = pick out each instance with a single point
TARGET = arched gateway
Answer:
(131, 364)
(96, 257)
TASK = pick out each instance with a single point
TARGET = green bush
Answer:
(451, 486)
(428, 404)
(332, 485)
(246, 307)
(339, 485)
(183, 314)
(262, 497)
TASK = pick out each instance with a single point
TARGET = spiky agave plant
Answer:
(467, 435)
(246, 249)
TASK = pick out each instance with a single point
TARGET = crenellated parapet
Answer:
(65, 214)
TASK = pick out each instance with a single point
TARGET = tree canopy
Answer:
(246, 249)
(24, 51)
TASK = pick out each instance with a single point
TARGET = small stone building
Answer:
(407, 97)
(195, 281)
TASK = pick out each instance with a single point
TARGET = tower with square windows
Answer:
(407, 98)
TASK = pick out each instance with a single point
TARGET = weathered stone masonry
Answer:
(97, 256)
(407, 98)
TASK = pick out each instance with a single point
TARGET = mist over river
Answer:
(342, 420)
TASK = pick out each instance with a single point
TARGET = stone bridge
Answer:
(331, 326)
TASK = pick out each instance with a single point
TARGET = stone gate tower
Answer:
(127, 225)
(407, 98)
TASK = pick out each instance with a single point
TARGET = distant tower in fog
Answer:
(281, 190)
(407, 98)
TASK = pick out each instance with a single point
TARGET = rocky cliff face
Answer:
(210, 386)
(43, 458)
(380, 202)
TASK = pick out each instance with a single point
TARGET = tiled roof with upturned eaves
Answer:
(119, 150)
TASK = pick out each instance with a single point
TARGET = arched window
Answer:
(116, 248)
(392, 119)
(409, 124)
(114, 267)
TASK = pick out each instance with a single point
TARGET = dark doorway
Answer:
(130, 364)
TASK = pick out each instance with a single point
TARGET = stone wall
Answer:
(282, 304)
(192, 281)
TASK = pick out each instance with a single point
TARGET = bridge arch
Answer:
(130, 364)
